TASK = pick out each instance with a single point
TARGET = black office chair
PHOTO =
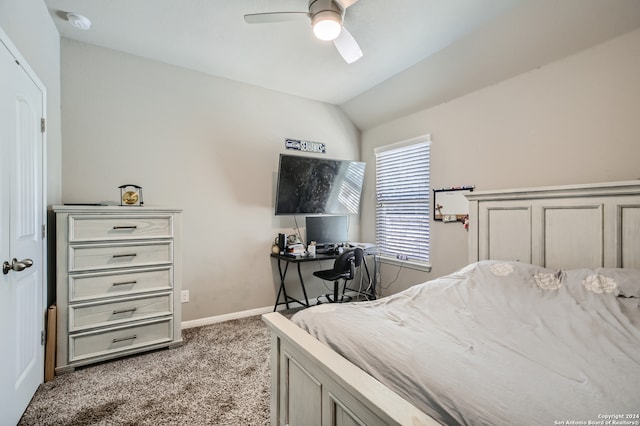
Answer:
(344, 268)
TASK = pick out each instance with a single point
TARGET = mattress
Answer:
(500, 343)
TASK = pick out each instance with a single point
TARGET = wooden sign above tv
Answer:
(306, 146)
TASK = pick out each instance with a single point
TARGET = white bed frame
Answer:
(595, 225)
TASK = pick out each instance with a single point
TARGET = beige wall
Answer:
(572, 121)
(208, 145)
(211, 146)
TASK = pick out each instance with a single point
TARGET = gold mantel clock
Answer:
(131, 195)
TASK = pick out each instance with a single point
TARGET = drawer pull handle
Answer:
(124, 339)
(122, 311)
(125, 283)
(124, 255)
(125, 227)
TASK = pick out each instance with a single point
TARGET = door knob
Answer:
(16, 266)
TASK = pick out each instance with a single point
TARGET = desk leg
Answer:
(375, 276)
(373, 282)
(282, 288)
(304, 291)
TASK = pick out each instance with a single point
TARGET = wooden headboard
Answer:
(577, 226)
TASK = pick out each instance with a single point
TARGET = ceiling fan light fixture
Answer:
(326, 25)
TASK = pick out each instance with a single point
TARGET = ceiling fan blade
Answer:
(345, 3)
(265, 18)
(347, 46)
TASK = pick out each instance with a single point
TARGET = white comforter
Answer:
(500, 343)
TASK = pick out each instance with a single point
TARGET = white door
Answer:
(21, 234)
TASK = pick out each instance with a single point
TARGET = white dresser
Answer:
(118, 282)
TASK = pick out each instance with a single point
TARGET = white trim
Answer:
(418, 139)
(411, 264)
(259, 311)
(629, 187)
(4, 39)
(225, 317)
(242, 314)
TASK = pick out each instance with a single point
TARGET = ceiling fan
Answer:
(327, 18)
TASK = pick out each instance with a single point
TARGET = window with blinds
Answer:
(402, 192)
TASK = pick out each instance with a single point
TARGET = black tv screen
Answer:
(327, 229)
(310, 185)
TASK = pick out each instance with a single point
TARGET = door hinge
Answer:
(44, 232)
(43, 125)
(42, 337)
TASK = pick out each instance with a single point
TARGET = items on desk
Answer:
(311, 249)
(282, 243)
(294, 245)
(289, 245)
(331, 249)
(295, 249)
(286, 242)
(293, 239)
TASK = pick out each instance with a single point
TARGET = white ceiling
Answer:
(211, 36)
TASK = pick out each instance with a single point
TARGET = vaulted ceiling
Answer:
(417, 53)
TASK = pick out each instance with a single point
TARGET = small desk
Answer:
(302, 259)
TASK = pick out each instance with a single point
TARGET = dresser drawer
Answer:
(101, 314)
(110, 256)
(118, 227)
(119, 339)
(119, 283)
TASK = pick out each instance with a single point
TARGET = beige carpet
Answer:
(219, 377)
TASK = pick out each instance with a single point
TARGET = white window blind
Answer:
(402, 191)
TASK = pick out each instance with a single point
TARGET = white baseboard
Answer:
(236, 315)
(251, 312)
(226, 317)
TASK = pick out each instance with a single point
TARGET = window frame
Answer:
(424, 265)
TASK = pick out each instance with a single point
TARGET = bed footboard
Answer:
(313, 385)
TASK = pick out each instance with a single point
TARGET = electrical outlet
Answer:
(184, 296)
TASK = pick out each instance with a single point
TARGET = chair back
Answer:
(359, 255)
(345, 264)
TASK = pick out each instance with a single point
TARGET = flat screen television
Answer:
(311, 185)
